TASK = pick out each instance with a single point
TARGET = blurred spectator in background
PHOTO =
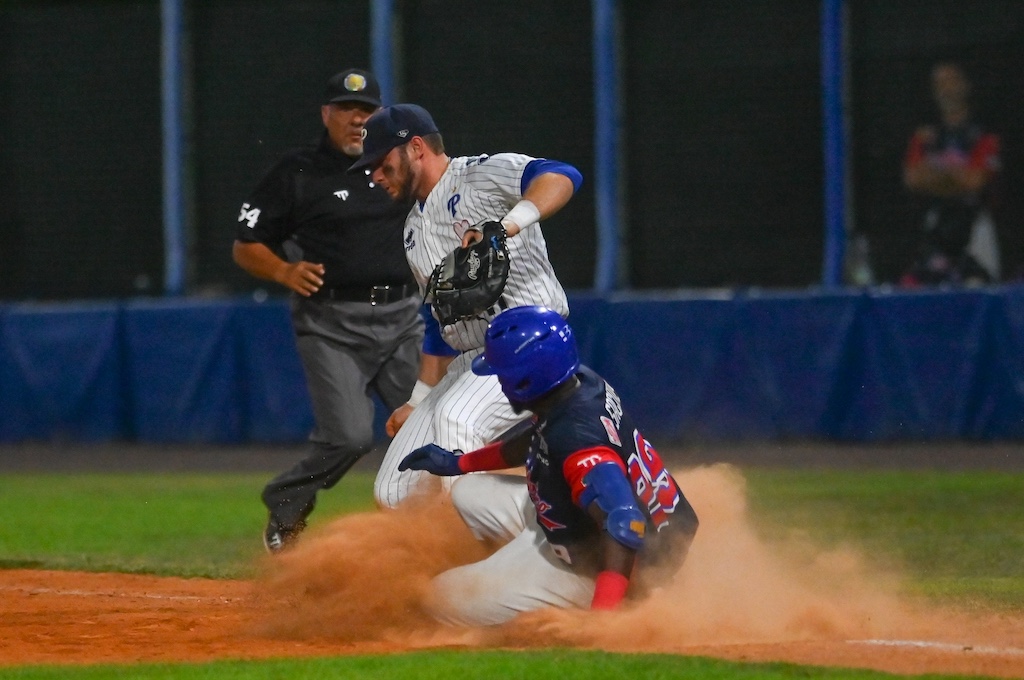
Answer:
(952, 166)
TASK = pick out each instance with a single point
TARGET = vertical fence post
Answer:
(606, 143)
(382, 14)
(172, 114)
(833, 84)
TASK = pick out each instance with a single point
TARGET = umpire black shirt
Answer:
(308, 207)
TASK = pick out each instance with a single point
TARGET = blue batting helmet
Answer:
(531, 350)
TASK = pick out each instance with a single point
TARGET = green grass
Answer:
(445, 665)
(177, 524)
(958, 535)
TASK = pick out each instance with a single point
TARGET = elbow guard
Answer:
(607, 486)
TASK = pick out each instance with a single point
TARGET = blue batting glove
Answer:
(433, 459)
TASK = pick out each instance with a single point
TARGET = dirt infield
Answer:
(79, 618)
(736, 598)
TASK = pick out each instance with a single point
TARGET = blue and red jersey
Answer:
(965, 146)
(589, 428)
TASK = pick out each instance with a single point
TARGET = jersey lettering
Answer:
(651, 481)
(249, 216)
(611, 430)
(452, 202)
(612, 405)
(589, 461)
(343, 194)
(539, 447)
(543, 507)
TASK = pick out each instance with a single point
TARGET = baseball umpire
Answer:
(476, 218)
(605, 511)
(334, 239)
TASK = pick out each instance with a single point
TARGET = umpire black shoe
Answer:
(278, 537)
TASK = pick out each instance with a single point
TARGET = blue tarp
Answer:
(61, 373)
(856, 365)
(869, 366)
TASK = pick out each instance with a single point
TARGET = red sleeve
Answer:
(481, 460)
(576, 466)
(609, 590)
(915, 151)
(985, 154)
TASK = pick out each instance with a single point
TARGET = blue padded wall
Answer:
(855, 365)
(862, 366)
(61, 372)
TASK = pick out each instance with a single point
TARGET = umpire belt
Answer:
(375, 295)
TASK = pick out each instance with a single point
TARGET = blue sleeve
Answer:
(609, 487)
(543, 166)
(433, 344)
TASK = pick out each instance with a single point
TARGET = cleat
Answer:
(277, 537)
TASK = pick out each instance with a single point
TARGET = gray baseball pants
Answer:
(349, 350)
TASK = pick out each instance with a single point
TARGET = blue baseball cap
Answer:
(390, 127)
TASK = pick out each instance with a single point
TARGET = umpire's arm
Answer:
(257, 259)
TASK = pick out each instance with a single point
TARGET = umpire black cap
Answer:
(390, 127)
(353, 85)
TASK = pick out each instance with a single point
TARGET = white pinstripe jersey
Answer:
(472, 190)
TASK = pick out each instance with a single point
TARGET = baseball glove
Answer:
(468, 281)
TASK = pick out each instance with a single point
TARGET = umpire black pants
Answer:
(349, 351)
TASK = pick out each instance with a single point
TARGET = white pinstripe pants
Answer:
(464, 411)
(523, 575)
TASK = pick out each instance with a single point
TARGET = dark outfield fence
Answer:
(722, 188)
(721, 122)
(847, 366)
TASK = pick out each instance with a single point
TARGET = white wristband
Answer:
(418, 393)
(523, 214)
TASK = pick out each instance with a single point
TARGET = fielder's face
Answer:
(395, 173)
(344, 122)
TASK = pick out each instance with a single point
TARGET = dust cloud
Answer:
(366, 577)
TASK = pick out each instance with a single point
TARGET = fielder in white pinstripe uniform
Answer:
(451, 406)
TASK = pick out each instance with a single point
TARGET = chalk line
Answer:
(942, 646)
(112, 593)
